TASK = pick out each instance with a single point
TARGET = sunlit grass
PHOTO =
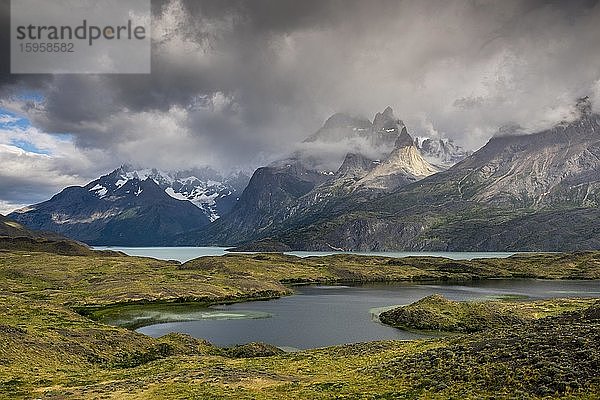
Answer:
(49, 350)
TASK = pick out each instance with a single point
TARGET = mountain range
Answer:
(383, 190)
(297, 187)
(135, 207)
(519, 192)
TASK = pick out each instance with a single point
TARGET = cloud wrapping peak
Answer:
(237, 83)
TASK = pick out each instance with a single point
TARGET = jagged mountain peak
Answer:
(386, 121)
(205, 188)
(441, 152)
(382, 132)
(125, 167)
(340, 126)
(404, 139)
(343, 120)
(386, 115)
(403, 165)
(584, 106)
(355, 165)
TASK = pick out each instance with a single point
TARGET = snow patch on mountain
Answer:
(206, 189)
(175, 195)
(441, 151)
(99, 190)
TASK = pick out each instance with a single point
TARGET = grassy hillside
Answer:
(108, 278)
(440, 314)
(11, 228)
(14, 236)
(48, 350)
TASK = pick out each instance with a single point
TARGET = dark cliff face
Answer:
(386, 120)
(270, 190)
(403, 139)
(340, 127)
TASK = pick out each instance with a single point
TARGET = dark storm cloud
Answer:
(237, 82)
(10, 83)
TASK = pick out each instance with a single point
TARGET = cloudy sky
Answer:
(235, 84)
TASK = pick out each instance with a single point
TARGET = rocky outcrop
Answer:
(355, 166)
(404, 165)
(251, 350)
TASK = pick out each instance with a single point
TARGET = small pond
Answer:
(318, 316)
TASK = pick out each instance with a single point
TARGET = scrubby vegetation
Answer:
(49, 350)
(553, 356)
(254, 349)
(57, 246)
(355, 268)
(440, 314)
(105, 279)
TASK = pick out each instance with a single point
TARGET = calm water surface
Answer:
(184, 254)
(320, 316)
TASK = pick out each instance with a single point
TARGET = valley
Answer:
(52, 350)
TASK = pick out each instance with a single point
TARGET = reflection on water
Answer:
(135, 316)
(320, 316)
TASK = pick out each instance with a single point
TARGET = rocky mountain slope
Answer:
(560, 166)
(296, 187)
(519, 192)
(403, 165)
(109, 212)
(135, 206)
